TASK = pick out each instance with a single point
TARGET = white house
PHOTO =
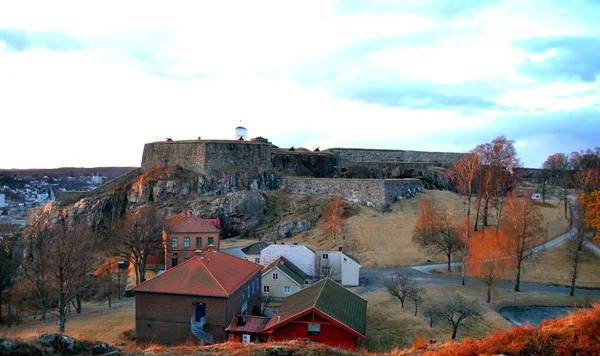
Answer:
(282, 278)
(299, 255)
(252, 252)
(2, 201)
(338, 266)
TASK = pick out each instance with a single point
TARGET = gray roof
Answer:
(289, 269)
(353, 258)
(255, 248)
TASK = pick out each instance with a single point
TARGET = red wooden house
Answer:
(324, 312)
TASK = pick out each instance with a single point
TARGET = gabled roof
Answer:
(287, 267)
(186, 222)
(331, 299)
(255, 248)
(252, 325)
(353, 258)
(208, 273)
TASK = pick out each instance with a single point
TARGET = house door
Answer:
(199, 312)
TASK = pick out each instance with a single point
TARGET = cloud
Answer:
(562, 58)
(21, 40)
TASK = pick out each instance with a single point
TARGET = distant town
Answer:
(21, 190)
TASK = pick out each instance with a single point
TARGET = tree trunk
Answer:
(454, 330)
(566, 199)
(489, 293)
(574, 277)
(431, 322)
(416, 307)
(402, 303)
(477, 214)
(486, 208)
(44, 310)
(62, 307)
(544, 192)
(0, 305)
(518, 278)
(449, 261)
(9, 315)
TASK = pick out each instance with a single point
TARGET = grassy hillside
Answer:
(385, 239)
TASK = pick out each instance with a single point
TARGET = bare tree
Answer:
(417, 296)
(458, 311)
(400, 285)
(70, 261)
(425, 228)
(448, 235)
(432, 313)
(558, 165)
(37, 260)
(265, 302)
(332, 218)
(10, 250)
(583, 234)
(137, 235)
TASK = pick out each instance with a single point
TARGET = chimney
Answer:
(278, 318)
(197, 253)
(339, 248)
(211, 247)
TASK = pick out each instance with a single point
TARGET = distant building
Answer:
(324, 312)
(339, 266)
(196, 299)
(184, 233)
(252, 252)
(281, 279)
(2, 201)
(300, 255)
(97, 180)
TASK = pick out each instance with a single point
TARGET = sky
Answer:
(87, 84)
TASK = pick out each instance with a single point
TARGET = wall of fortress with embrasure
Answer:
(355, 174)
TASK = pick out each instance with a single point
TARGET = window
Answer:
(287, 289)
(257, 260)
(198, 242)
(325, 271)
(275, 275)
(186, 242)
(185, 259)
(173, 242)
(243, 295)
(266, 289)
(174, 260)
(211, 240)
(248, 290)
(325, 256)
(313, 329)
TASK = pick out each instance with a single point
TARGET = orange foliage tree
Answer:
(592, 215)
(332, 219)
(425, 227)
(523, 223)
(488, 259)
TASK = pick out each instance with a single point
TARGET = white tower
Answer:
(241, 131)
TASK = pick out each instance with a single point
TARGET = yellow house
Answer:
(281, 279)
(184, 233)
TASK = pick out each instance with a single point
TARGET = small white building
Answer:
(282, 278)
(2, 201)
(338, 266)
(97, 180)
(252, 252)
(299, 255)
(536, 196)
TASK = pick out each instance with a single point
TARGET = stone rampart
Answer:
(209, 157)
(70, 197)
(353, 155)
(376, 193)
(304, 163)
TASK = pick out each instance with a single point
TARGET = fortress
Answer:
(373, 177)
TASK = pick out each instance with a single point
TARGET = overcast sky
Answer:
(87, 84)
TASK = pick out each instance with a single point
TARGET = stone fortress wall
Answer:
(356, 174)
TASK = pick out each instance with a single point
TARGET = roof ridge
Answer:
(320, 291)
(165, 272)
(212, 275)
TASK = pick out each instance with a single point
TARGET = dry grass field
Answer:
(385, 239)
(390, 326)
(96, 322)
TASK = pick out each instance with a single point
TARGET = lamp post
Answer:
(547, 230)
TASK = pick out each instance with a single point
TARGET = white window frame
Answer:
(325, 256)
(186, 242)
(275, 276)
(257, 260)
(174, 242)
(289, 290)
(266, 289)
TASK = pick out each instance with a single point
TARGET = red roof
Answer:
(208, 273)
(252, 325)
(186, 222)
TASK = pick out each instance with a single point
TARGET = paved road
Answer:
(424, 276)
